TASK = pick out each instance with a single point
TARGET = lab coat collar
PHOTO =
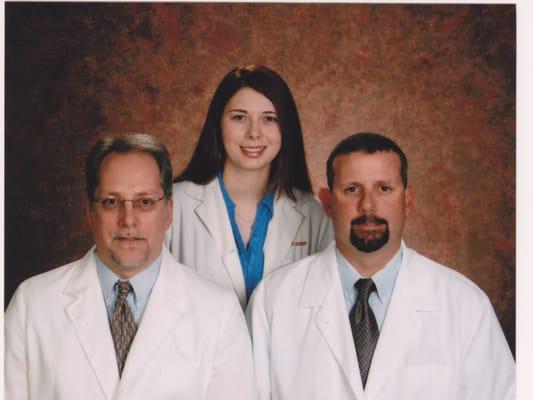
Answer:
(210, 207)
(88, 315)
(285, 223)
(411, 295)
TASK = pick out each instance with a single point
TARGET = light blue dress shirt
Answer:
(384, 280)
(252, 257)
(142, 285)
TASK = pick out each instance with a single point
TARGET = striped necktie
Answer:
(123, 325)
(364, 327)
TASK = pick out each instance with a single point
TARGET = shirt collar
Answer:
(142, 283)
(383, 279)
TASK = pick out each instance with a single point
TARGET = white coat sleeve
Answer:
(232, 371)
(259, 327)
(15, 366)
(488, 366)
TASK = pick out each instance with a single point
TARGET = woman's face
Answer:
(250, 131)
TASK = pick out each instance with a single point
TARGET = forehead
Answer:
(249, 99)
(364, 167)
(132, 171)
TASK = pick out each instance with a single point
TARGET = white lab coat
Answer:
(440, 339)
(201, 236)
(192, 342)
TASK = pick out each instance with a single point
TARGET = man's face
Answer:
(129, 239)
(368, 203)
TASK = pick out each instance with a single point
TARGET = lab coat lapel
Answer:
(323, 290)
(211, 210)
(163, 312)
(401, 327)
(282, 231)
(88, 315)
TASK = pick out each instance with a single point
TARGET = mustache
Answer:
(364, 219)
(126, 235)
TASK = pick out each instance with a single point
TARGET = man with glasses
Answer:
(126, 321)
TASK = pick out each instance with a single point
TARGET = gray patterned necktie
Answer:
(123, 327)
(364, 327)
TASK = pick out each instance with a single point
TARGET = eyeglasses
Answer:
(140, 203)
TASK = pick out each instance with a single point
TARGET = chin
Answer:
(130, 262)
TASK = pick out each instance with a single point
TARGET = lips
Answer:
(127, 238)
(368, 225)
(253, 151)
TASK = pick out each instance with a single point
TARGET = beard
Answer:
(128, 263)
(369, 240)
(132, 256)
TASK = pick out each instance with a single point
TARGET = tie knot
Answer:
(365, 286)
(123, 289)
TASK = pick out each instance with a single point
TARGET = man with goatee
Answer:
(369, 318)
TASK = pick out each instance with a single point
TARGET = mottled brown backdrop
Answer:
(439, 79)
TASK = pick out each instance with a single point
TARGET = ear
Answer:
(324, 195)
(409, 200)
(168, 213)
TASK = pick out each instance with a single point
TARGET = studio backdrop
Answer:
(438, 79)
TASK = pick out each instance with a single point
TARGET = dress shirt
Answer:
(384, 280)
(142, 285)
(252, 256)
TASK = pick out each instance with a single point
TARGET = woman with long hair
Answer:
(244, 205)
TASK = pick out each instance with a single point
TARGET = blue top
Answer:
(384, 280)
(252, 256)
(142, 285)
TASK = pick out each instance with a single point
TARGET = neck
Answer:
(245, 185)
(367, 264)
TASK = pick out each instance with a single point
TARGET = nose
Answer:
(367, 202)
(126, 214)
(254, 129)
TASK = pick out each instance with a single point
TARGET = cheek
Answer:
(274, 137)
(343, 206)
(102, 225)
(343, 214)
(230, 132)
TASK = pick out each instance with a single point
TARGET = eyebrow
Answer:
(139, 194)
(245, 112)
(380, 182)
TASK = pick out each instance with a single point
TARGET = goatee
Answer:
(369, 240)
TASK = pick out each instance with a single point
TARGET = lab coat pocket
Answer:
(424, 382)
(181, 372)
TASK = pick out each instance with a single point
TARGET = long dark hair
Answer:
(288, 170)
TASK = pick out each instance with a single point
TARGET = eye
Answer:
(144, 203)
(385, 188)
(109, 202)
(351, 189)
(270, 118)
(238, 117)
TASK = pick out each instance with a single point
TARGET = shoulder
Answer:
(46, 285)
(310, 270)
(306, 203)
(199, 289)
(187, 190)
(444, 280)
